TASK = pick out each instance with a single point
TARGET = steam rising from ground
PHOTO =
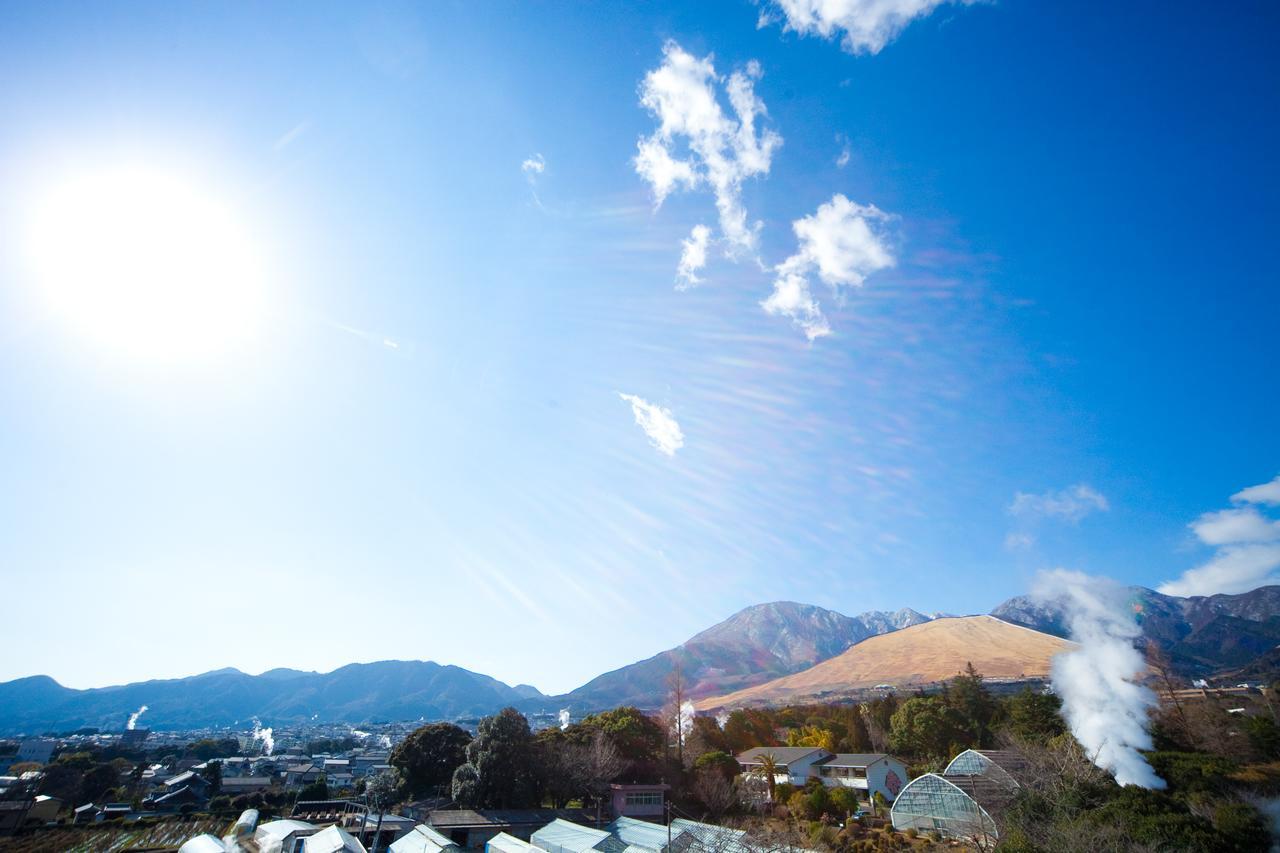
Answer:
(564, 719)
(264, 735)
(685, 721)
(133, 718)
(1104, 707)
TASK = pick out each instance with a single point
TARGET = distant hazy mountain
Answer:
(1200, 635)
(752, 646)
(916, 655)
(387, 690)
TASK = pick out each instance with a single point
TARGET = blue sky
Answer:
(1050, 276)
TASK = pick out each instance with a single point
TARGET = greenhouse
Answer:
(932, 803)
(994, 764)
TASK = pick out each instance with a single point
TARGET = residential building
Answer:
(867, 773)
(424, 839)
(638, 800)
(794, 763)
(36, 750)
(503, 843)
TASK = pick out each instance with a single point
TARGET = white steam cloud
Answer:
(722, 719)
(1103, 705)
(133, 718)
(564, 719)
(685, 720)
(264, 735)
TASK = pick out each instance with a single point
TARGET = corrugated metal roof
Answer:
(781, 754)
(503, 843)
(854, 759)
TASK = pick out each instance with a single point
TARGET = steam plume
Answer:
(722, 719)
(264, 735)
(1104, 707)
(133, 718)
(564, 719)
(685, 720)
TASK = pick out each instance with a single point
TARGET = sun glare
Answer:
(145, 263)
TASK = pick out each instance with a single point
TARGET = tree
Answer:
(679, 718)
(597, 764)
(926, 727)
(812, 736)
(212, 774)
(1035, 717)
(748, 728)
(466, 786)
(638, 739)
(97, 781)
(427, 758)
(556, 761)
(768, 769)
(723, 763)
(314, 791)
(973, 704)
(714, 791)
(381, 792)
(502, 755)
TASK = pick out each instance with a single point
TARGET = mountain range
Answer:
(1199, 636)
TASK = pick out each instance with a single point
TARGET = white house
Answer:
(867, 773)
(794, 763)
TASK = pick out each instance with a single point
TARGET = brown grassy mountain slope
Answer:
(920, 654)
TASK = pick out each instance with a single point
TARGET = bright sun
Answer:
(145, 263)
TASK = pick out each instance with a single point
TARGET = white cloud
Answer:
(1071, 504)
(791, 298)
(533, 166)
(846, 151)
(717, 150)
(1246, 557)
(1019, 541)
(658, 423)
(1236, 568)
(693, 257)
(864, 26)
(1267, 493)
(844, 243)
(1235, 526)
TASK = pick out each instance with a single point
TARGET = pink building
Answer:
(639, 800)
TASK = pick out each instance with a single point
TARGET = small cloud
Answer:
(864, 26)
(390, 344)
(693, 257)
(846, 151)
(1267, 493)
(533, 166)
(1247, 555)
(1071, 504)
(658, 424)
(1019, 541)
(1233, 526)
(843, 242)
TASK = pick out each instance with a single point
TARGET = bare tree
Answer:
(677, 717)
(714, 791)
(595, 765)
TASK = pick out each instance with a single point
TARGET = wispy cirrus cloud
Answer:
(1247, 546)
(843, 242)
(699, 144)
(1071, 504)
(658, 424)
(863, 26)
